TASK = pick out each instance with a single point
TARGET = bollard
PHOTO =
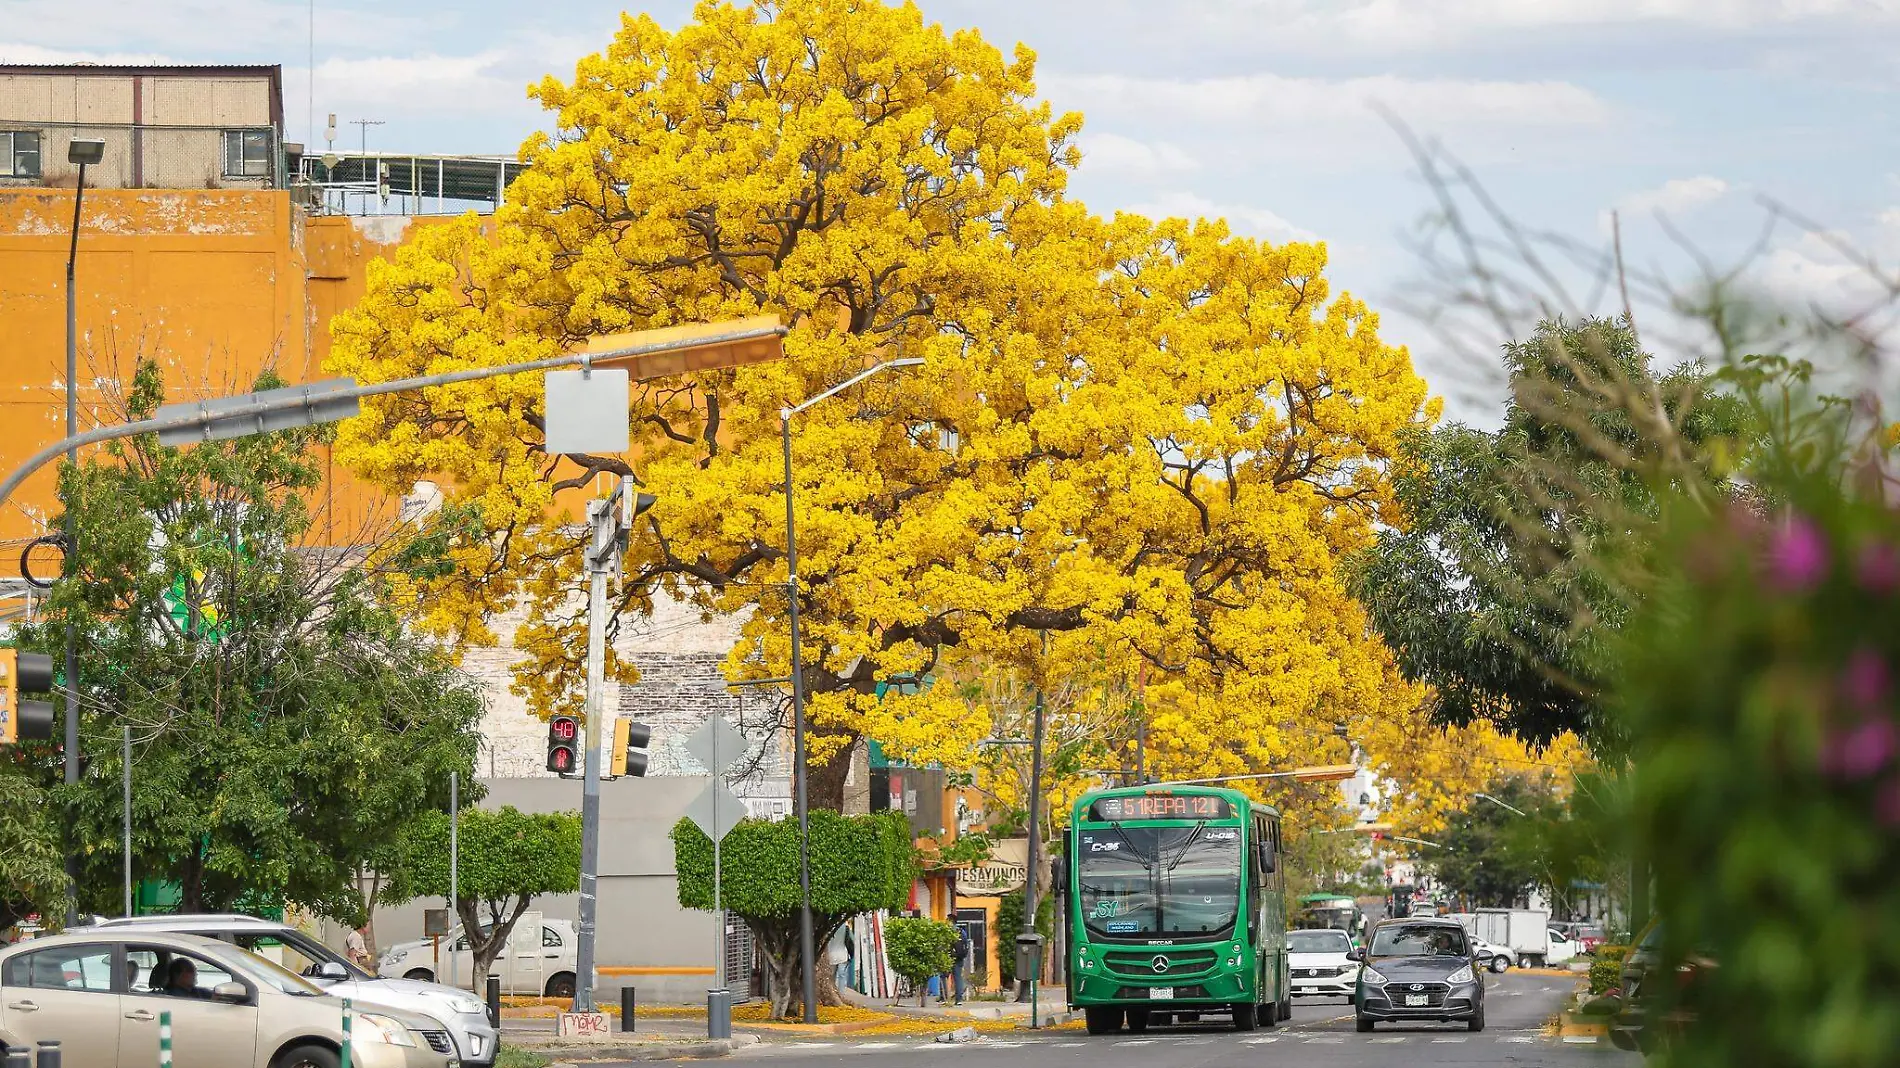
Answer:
(626, 1008)
(49, 1054)
(164, 1040)
(18, 1057)
(718, 1014)
(494, 1001)
(344, 1060)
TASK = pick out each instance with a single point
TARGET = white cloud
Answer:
(425, 84)
(1126, 156)
(11, 52)
(1257, 222)
(1675, 197)
(1257, 100)
(1417, 25)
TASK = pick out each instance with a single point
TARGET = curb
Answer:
(573, 1053)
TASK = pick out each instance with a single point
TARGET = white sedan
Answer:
(1322, 963)
(1501, 956)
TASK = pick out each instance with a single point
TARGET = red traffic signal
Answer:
(564, 744)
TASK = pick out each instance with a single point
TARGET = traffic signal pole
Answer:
(599, 521)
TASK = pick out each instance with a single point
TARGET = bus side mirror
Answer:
(1266, 858)
(1059, 873)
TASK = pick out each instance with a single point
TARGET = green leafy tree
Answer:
(507, 859)
(1511, 570)
(285, 726)
(32, 877)
(1487, 855)
(859, 864)
(919, 949)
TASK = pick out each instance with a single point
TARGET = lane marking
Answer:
(1136, 1042)
(1068, 1045)
(1325, 1040)
(1581, 1040)
(1516, 1038)
(1459, 1038)
(813, 1045)
(1004, 1045)
(1267, 1041)
(1387, 1041)
(878, 1045)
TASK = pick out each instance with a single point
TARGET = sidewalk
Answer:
(1052, 1008)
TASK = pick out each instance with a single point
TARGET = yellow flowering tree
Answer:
(1155, 435)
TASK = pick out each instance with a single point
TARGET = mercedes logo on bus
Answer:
(1160, 964)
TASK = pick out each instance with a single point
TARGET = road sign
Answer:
(716, 810)
(717, 745)
(587, 411)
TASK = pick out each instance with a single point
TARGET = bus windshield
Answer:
(1159, 881)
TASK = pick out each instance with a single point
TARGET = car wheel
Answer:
(305, 1057)
(1138, 1020)
(1499, 965)
(1102, 1019)
(420, 975)
(1364, 1024)
(1476, 1023)
(561, 986)
(1245, 1016)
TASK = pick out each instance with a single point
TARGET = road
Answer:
(1321, 1035)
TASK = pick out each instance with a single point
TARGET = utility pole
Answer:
(609, 526)
(82, 152)
(1028, 989)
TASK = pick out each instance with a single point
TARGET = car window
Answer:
(82, 967)
(295, 953)
(1419, 940)
(1317, 941)
(283, 980)
(550, 937)
(170, 972)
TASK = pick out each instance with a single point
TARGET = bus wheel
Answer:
(1137, 1020)
(1268, 1014)
(1102, 1019)
(1244, 1016)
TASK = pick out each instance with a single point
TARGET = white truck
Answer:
(1525, 932)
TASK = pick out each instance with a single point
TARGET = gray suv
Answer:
(460, 1013)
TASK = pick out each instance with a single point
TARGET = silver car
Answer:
(474, 1040)
(103, 995)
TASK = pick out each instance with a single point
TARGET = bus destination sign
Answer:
(1160, 807)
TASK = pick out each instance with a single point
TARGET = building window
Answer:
(19, 154)
(247, 154)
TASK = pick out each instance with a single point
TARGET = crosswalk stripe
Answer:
(813, 1045)
(1459, 1038)
(1068, 1045)
(1136, 1042)
(1324, 1040)
(1265, 1041)
(1389, 1041)
(1516, 1038)
(1581, 1040)
(877, 1045)
(1003, 1045)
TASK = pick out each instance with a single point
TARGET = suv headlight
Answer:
(1371, 976)
(370, 1027)
(1462, 975)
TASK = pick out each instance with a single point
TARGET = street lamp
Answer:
(809, 974)
(1503, 805)
(84, 152)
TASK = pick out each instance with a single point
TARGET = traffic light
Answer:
(564, 744)
(24, 673)
(630, 747)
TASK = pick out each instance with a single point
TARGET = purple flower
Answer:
(1878, 568)
(1860, 751)
(1865, 679)
(1797, 555)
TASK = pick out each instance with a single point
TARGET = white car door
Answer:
(524, 973)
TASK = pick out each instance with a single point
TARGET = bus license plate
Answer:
(1418, 999)
(1161, 993)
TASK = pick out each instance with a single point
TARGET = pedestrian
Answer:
(357, 949)
(960, 969)
(838, 955)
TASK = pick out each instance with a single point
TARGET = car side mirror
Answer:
(332, 971)
(1484, 956)
(1059, 873)
(1355, 953)
(231, 994)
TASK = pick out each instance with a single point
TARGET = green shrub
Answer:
(919, 949)
(1606, 971)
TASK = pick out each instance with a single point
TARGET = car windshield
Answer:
(280, 978)
(297, 952)
(1317, 942)
(1419, 940)
(1157, 881)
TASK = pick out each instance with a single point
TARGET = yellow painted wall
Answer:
(218, 284)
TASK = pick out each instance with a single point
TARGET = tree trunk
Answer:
(827, 781)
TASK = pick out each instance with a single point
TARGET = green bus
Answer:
(1175, 908)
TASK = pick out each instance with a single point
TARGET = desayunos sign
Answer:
(1002, 874)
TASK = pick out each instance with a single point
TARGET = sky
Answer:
(1288, 118)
